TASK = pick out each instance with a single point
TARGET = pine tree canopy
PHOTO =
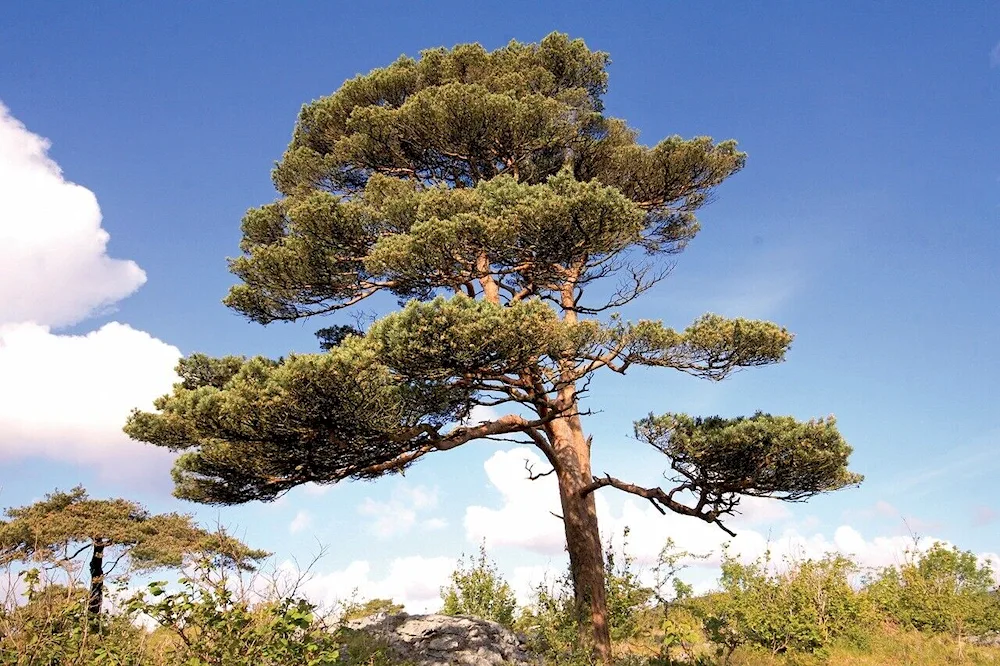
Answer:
(64, 525)
(489, 193)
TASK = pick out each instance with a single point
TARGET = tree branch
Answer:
(531, 472)
(660, 499)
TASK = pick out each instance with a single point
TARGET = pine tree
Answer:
(489, 192)
(67, 525)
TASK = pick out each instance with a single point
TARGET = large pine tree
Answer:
(489, 192)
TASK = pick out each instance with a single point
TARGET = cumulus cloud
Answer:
(54, 269)
(435, 524)
(481, 414)
(524, 518)
(399, 513)
(66, 397)
(412, 581)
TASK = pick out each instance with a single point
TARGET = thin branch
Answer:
(660, 499)
(531, 472)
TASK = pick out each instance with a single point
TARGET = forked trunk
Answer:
(96, 599)
(583, 538)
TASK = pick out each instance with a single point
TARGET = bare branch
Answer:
(660, 499)
(531, 472)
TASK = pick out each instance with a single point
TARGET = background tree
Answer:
(495, 178)
(67, 525)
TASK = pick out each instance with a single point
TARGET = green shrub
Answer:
(942, 590)
(53, 627)
(478, 589)
(634, 621)
(358, 610)
(801, 609)
(215, 627)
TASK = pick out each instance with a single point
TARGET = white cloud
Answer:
(523, 521)
(524, 518)
(301, 521)
(413, 581)
(398, 514)
(758, 510)
(481, 414)
(53, 266)
(995, 56)
(66, 397)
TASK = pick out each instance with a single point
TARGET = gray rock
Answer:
(444, 640)
(989, 639)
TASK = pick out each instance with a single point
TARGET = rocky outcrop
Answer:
(443, 640)
(989, 639)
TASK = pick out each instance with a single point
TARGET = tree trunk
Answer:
(96, 580)
(583, 538)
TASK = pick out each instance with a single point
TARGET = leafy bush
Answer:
(358, 610)
(53, 626)
(214, 627)
(804, 613)
(637, 623)
(802, 609)
(942, 590)
(477, 588)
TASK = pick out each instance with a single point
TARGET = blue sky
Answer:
(865, 221)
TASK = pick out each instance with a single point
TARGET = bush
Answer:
(358, 610)
(214, 627)
(54, 627)
(943, 590)
(634, 620)
(478, 589)
(802, 609)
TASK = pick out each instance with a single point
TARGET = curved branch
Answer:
(660, 499)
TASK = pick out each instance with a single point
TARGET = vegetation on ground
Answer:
(935, 608)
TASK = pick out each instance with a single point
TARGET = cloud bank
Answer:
(66, 397)
(54, 269)
(523, 521)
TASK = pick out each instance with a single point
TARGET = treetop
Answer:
(68, 520)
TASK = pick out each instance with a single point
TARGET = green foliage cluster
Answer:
(803, 608)
(944, 590)
(66, 524)
(478, 589)
(765, 612)
(214, 626)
